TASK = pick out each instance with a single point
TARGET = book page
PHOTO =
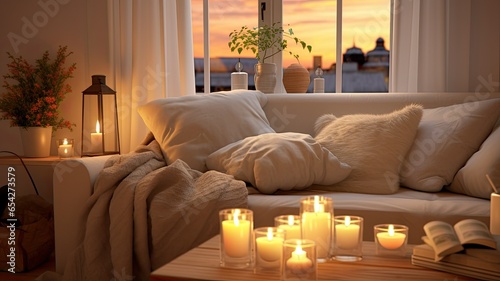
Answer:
(471, 231)
(441, 236)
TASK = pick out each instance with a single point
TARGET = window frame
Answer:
(273, 12)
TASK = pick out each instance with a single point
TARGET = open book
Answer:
(446, 239)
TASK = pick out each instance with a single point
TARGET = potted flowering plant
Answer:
(34, 93)
(265, 42)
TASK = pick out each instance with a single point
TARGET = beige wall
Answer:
(29, 28)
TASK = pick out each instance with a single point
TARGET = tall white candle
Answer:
(347, 234)
(236, 236)
(96, 139)
(316, 226)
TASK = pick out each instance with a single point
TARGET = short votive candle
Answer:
(290, 223)
(299, 260)
(65, 148)
(236, 227)
(348, 238)
(269, 249)
(316, 215)
(390, 239)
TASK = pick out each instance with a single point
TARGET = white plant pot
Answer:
(36, 141)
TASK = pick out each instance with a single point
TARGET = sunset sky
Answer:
(312, 21)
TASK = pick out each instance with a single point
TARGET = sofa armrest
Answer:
(73, 183)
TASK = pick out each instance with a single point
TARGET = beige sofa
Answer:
(74, 178)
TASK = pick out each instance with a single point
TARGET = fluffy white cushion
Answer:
(446, 138)
(471, 179)
(192, 127)
(373, 145)
(279, 161)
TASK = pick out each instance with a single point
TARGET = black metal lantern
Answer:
(100, 134)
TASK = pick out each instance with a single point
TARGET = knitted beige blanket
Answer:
(144, 213)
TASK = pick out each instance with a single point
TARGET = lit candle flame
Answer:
(65, 141)
(291, 220)
(347, 221)
(97, 127)
(318, 208)
(269, 233)
(391, 230)
(235, 217)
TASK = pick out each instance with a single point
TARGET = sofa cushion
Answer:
(282, 161)
(192, 127)
(373, 145)
(471, 179)
(446, 138)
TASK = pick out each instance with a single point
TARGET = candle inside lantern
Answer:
(96, 139)
(236, 236)
(347, 234)
(391, 240)
(269, 248)
(299, 263)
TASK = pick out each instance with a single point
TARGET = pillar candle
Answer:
(239, 81)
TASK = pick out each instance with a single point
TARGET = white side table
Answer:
(41, 170)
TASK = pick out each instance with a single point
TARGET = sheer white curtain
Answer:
(445, 45)
(152, 51)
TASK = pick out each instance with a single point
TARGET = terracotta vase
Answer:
(296, 78)
(265, 77)
(36, 141)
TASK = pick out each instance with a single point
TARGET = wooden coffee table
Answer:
(202, 263)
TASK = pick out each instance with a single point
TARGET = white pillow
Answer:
(446, 138)
(279, 161)
(471, 179)
(373, 145)
(192, 127)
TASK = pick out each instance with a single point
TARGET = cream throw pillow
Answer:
(446, 138)
(373, 145)
(192, 127)
(275, 161)
(471, 179)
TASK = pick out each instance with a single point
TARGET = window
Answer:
(363, 49)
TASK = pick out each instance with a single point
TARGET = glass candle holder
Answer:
(390, 239)
(236, 226)
(348, 238)
(65, 148)
(290, 223)
(299, 260)
(269, 249)
(316, 214)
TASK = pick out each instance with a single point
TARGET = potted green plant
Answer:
(32, 98)
(265, 42)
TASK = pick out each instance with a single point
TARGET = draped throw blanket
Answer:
(144, 213)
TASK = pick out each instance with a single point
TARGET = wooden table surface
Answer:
(202, 263)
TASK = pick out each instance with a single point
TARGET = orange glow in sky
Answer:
(311, 20)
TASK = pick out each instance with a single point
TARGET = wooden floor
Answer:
(50, 265)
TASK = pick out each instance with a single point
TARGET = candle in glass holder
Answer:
(299, 260)
(236, 232)
(316, 223)
(289, 223)
(391, 240)
(65, 148)
(268, 249)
